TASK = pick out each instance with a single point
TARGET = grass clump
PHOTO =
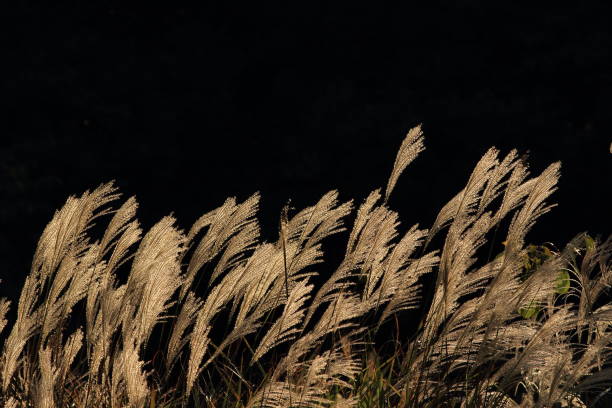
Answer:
(213, 317)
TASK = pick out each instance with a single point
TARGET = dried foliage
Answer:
(258, 334)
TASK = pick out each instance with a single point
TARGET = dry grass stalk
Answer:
(472, 348)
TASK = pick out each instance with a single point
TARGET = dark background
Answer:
(184, 107)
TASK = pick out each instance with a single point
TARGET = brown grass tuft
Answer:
(258, 333)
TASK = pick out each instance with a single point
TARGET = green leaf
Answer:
(562, 282)
(530, 310)
(589, 242)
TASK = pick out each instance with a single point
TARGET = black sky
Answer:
(184, 107)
